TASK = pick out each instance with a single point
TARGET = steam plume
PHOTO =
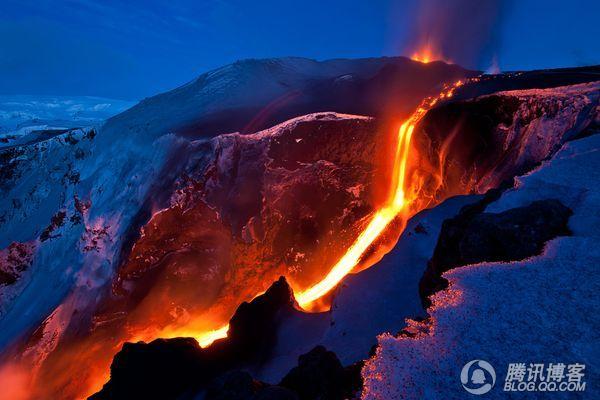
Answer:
(467, 32)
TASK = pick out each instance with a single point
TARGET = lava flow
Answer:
(401, 196)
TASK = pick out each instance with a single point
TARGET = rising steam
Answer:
(465, 32)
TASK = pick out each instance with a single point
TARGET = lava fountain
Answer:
(428, 53)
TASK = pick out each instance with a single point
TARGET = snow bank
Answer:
(539, 310)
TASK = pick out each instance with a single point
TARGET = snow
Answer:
(245, 88)
(120, 168)
(115, 173)
(359, 313)
(544, 120)
(539, 310)
(21, 114)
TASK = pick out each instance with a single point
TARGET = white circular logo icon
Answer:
(478, 377)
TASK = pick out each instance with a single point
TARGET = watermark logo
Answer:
(478, 377)
(541, 377)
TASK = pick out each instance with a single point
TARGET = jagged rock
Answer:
(320, 375)
(162, 369)
(127, 170)
(475, 236)
(239, 385)
(540, 308)
(14, 260)
(235, 385)
(171, 368)
(252, 328)
(476, 144)
(179, 368)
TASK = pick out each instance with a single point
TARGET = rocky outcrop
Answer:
(14, 261)
(474, 236)
(320, 375)
(477, 144)
(539, 308)
(170, 368)
(180, 368)
(289, 199)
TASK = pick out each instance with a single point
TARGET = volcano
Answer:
(199, 244)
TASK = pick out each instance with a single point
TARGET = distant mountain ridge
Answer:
(251, 95)
(28, 118)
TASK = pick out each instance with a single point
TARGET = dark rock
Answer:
(239, 385)
(180, 368)
(253, 327)
(57, 220)
(14, 260)
(275, 393)
(320, 375)
(538, 79)
(171, 368)
(162, 369)
(236, 385)
(475, 236)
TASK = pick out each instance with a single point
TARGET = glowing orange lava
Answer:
(401, 195)
(427, 53)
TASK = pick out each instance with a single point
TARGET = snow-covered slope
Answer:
(75, 196)
(538, 123)
(359, 312)
(251, 95)
(73, 204)
(478, 144)
(78, 196)
(22, 115)
(540, 310)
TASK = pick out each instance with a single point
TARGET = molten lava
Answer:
(401, 195)
(427, 53)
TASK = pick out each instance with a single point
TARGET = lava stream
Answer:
(401, 195)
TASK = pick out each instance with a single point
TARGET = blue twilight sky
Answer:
(133, 49)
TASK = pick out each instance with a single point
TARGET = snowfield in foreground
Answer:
(539, 310)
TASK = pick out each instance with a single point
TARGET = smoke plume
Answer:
(466, 32)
